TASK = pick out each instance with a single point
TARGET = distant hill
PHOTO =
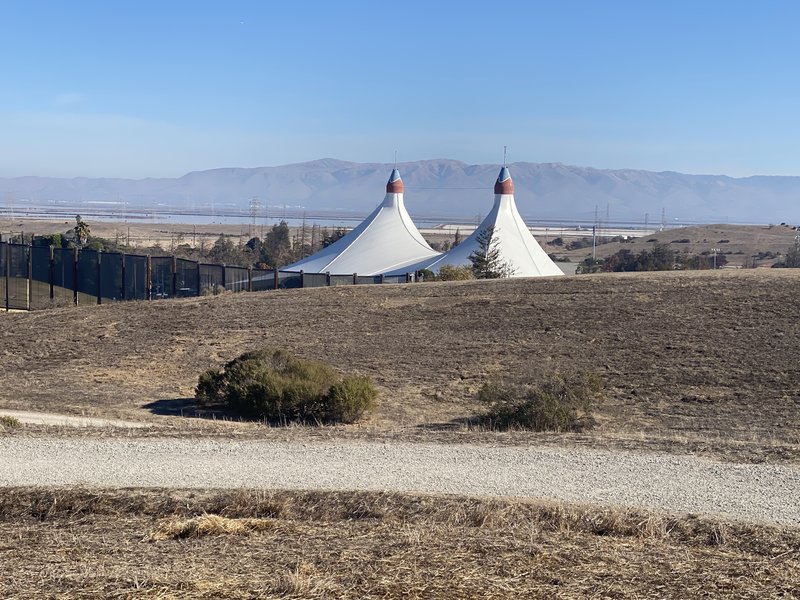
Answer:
(444, 187)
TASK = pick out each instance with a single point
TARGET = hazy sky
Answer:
(139, 88)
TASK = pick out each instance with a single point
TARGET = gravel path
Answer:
(767, 493)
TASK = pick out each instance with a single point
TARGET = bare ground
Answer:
(691, 362)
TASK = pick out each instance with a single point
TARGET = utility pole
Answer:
(254, 206)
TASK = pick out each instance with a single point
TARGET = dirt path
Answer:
(762, 492)
(43, 418)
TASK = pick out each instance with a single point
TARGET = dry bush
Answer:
(453, 273)
(560, 403)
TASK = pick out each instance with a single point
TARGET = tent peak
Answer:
(504, 183)
(395, 184)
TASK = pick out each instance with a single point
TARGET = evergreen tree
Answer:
(276, 249)
(486, 260)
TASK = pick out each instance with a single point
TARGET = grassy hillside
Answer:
(742, 245)
(692, 361)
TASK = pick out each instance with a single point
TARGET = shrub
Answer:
(10, 422)
(351, 398)
(561, 403)
(277, 386)
(453, 273)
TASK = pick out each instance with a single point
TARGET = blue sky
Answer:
(140, 88)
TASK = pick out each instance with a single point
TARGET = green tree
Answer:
(82, 231)
(487, 263)
(276, 248)
(223, 251)
(335, 236)
(792, 259)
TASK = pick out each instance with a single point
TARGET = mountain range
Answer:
(441, 187)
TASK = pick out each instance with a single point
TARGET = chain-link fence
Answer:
(37, 277)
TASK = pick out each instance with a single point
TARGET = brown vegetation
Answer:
(689, 361)
(244, 544)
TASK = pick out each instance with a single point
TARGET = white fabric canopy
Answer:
(387, 240)
(517, 246)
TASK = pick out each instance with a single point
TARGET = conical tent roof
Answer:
(516, 244)
(387, 240)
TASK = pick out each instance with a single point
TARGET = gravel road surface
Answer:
(767, 493)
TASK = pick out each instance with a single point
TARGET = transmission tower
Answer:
(255, 205)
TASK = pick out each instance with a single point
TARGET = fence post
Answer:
(275, 278)
(224, 277)
(249, 279)
(30, 275)
(8, 272)
(99, 277)
(174, 284)
(199, 280)
(355, 278)
(302, 279)
(383, 278)
(75, 258)
(149, 279)
(51, 275)
(122, 289)
(328, 278)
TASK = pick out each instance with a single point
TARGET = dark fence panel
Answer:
(18, 277)
(161, 277)
(111, 284)
(31, 279)
(63, 276)
(341, 280)
(135, 284)
(187, 278)
(315, 280)
(3, 257)
(289, 280)
(211, 279)
(236, 279)
(40, 277)
(368, 279)
(263, 280)
(87, 277)
(393, 279)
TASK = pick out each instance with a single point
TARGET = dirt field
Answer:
(179, 544)
(691, 362)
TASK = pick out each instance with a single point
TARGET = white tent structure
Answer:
(516, 245)
(387, 240)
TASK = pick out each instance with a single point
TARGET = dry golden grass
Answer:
(90, 543)
(206, 524)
